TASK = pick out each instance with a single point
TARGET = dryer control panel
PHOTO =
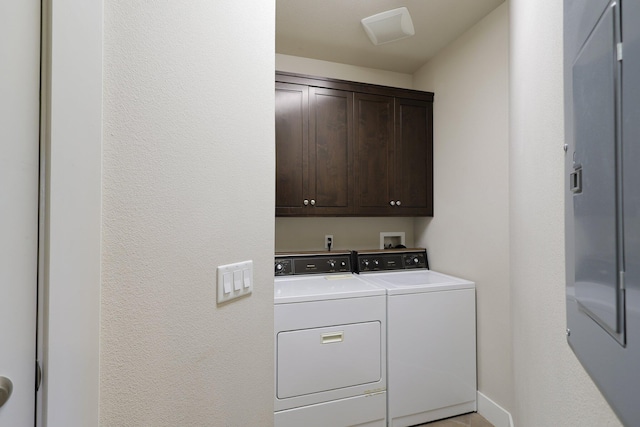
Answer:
(389, 260)
(312, 263)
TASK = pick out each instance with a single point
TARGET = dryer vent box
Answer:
(391, 239)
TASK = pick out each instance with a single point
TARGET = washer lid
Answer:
(319, 288)
(415, 281)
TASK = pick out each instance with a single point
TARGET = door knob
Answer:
(6, 387)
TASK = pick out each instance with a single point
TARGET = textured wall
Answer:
(188, 185)
(551, 387)
(468, 235)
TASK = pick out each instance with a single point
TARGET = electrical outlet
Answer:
(328, 241)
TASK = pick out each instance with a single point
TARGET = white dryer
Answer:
(330, 336)
(431, 336)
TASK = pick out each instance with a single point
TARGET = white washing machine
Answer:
(431, 336)
(330, 337)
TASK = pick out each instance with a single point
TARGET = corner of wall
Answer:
(468, 235)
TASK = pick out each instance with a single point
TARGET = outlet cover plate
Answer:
(326, 241)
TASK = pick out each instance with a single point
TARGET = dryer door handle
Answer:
(332, 337)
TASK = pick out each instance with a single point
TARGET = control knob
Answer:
(279, 267)
(332, 264)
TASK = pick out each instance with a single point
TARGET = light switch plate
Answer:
(239, 277)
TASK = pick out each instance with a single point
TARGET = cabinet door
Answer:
(413, 157)
(374, 135)
(330, 151)
(292, 145)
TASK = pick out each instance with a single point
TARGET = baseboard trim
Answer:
(494, 413)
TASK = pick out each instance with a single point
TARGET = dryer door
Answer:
(330, 358)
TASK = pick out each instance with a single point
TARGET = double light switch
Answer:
(234, 280)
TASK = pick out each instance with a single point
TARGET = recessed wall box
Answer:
(391, 239)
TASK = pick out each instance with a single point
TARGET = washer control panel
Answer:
(368, 261)
(287, 265)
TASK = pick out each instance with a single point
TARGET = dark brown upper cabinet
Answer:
(375, 141)
(314, 151)
(352, 149)
(394, 164)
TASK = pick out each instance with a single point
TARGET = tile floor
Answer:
(467, 420)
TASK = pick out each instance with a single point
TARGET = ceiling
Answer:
(330, 30)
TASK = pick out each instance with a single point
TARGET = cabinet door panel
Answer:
(414, 156)
(291, 147)
(331, 150)
(374, 152)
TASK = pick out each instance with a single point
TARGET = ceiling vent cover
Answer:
(389, 26)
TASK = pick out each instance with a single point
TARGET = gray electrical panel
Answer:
(602, 128)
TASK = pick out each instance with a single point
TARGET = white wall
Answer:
(349, 233)
(468, 235)
(315, 67)
(188, 156)
(551, 387)
(72, 137)
(307, 234)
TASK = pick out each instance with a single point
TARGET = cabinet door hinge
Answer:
(619, 51)
(38, 375)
